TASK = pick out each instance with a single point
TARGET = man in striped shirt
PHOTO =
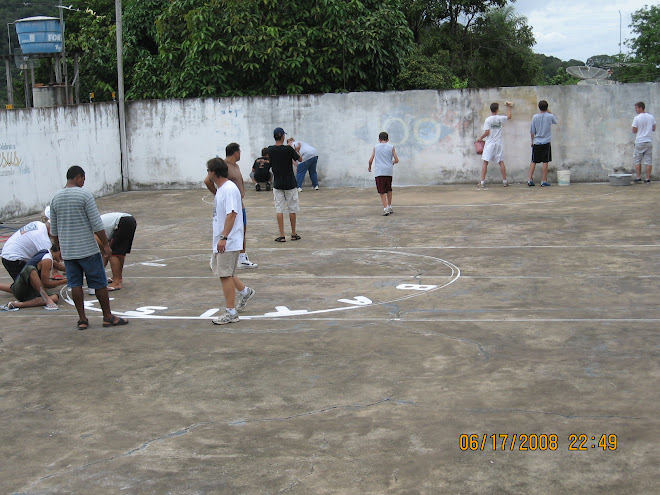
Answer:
(74, 221)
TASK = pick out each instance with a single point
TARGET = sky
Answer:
(579, 29)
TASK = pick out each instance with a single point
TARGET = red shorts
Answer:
(384, 184)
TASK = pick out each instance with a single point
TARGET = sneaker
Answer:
(245, 263)
(226, 318)
(257, 187)
(505, 183)
(242, 300)
(386, 212)
(530, 183)
(389, 208)
(481, 186)
(545, 184)
(638, 179)
(300, 189)
(316, 188)
(646, 181)
(267, 186)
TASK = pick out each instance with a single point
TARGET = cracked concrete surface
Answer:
(371, 346)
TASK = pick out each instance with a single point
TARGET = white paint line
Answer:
(416, 248)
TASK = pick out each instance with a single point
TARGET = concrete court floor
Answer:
(371, 346)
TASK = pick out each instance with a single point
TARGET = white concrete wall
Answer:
(169, 141)
(38, 145)
(433, 131)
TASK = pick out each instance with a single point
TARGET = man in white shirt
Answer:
(309, 157)
(643, 125)
(23, 245)
(494, 150)
(227, 240)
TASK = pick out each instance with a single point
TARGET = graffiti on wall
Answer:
(409, 131)
(10, 160)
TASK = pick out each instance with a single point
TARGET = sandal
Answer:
(114, 322)
(295, 237)
(51, 307)
(9, 307)
(280, 239)
(83, 324)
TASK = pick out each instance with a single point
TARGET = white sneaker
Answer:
(242, 300)
(300, 189)
(246, 263)
(386, 212)
(316, 188)
(226, 318)
(481, 186)
(505, 183)
(389, 208)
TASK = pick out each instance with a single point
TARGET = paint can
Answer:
(563, 177)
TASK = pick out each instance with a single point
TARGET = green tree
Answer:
(644, 64)
(255, 47)
(501, 53)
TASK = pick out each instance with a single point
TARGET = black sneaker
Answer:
(267, 186)
(530, 183)
(646, 181)
(258, 187)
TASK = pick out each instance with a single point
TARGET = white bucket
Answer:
(563, 177)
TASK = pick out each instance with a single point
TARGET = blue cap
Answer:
(279, 132)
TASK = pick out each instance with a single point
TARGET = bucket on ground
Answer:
(563, 177)
(620, 179)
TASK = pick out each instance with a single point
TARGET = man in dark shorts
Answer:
(33, 286)
(541, 135)
(120, 231)
(285, 190)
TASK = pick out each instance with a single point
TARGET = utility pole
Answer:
(120, 101)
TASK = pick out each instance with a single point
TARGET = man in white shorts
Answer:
(643, 125)
(494, 149)
(227, 240)
(285, 188)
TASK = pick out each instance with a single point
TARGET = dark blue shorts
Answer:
(93, 269)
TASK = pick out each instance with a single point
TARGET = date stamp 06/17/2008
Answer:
(577, 442)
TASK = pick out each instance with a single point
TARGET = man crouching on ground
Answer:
(227, 240)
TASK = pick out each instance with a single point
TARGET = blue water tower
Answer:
(39, 34)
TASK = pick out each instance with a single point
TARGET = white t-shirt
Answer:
(644, 123)
(494, 124)
(26, 242)
(111, 221)
(228, 199)
(306, 152)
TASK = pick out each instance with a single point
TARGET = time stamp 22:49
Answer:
(525, 442)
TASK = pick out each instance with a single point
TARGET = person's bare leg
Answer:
(503, 170)
(292, 219)
(244, 235)
(648, 172)
(117, 267)
(532, 167)
(37, 301)
(229, 289)
(389, 198)
(5, 288)
(383, 199)
(544, 172)
(104, 301)
(280, 223)
(484, 169)
(238, 284)
(638, 171)
(79, 302)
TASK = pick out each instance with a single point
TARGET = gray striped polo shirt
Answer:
(74, 219)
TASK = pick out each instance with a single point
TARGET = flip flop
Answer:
(51, 307)
(9, 307)
(110, 289)
(114, 323)
(83, 324)
(57, 277)
(280, 239)
(295, 237)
